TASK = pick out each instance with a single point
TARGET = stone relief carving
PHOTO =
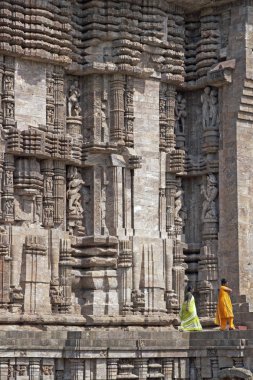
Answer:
(179, 200)
(73, 193)
(8, 83)
(104, 123)
(209, 100)
(180, 114)
(210, 192)
(74, 108)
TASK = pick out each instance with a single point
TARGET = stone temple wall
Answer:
(125, 173)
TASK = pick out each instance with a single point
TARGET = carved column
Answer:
(65, 269)
(1, 89)
(163, 116)
(117, 109)
(59, 192)
(208, 265)
(8, 191)
(4, 271)
(2, 148)
(168, 369)
(112, 369)
(48, 200)
(129, 112)
(141, 368)
(50, 103)
(8, 100)
(125, 277)
(4, 369)
(34, 369)
(170, 135)
(59, 116)
(34, 281)
(77, 369)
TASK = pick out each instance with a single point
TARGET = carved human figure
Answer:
(205, 100)
(48, 212)
(210, 192)
(49, 184)
(180, 113)
(50, 115)
(213, 108)
(178, 203)
(9, 207)
(10, 110)
(162, 105)
(9, 178)
(73, 193)
(74, 108)
(8, 83)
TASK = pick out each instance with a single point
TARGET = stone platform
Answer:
(124, 354)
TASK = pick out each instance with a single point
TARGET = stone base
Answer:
(83, 353)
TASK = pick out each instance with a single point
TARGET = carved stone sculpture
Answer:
(74, 108)
(205, 99)
(210, 192)
(180, 114)
(178, 204)
(209, 100)
(73, 193)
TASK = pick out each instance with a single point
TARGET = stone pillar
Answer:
(168, 369)
(59, 192)
(77, 369)
(34, 369)
(34, 280)
(8, 100)
(65, 268)
(59, 115)
(141, 368)
(117, 109)
(50, 103)
(125, 278)
(1, 89)
(112, 369)
(8, 190)
(48, 201)
(4, 369)
(4, 271)
(129, 113)
(170, 135)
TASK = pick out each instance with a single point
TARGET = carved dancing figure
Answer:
(178, 203)
(73, 195)
(209, 209)
(205, 100)
(74, 108)
(180, 114)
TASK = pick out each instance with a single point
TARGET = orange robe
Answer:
(224, 307)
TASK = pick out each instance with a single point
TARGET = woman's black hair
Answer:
(188, 293)
(223, 281)
(189, 288)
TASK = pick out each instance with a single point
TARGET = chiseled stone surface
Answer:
(125, 173)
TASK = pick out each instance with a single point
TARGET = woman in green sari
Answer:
(188, 313)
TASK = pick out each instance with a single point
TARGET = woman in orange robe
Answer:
(224, 313)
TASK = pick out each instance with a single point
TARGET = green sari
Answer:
(188, 316)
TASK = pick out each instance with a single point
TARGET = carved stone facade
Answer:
(125, 173)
